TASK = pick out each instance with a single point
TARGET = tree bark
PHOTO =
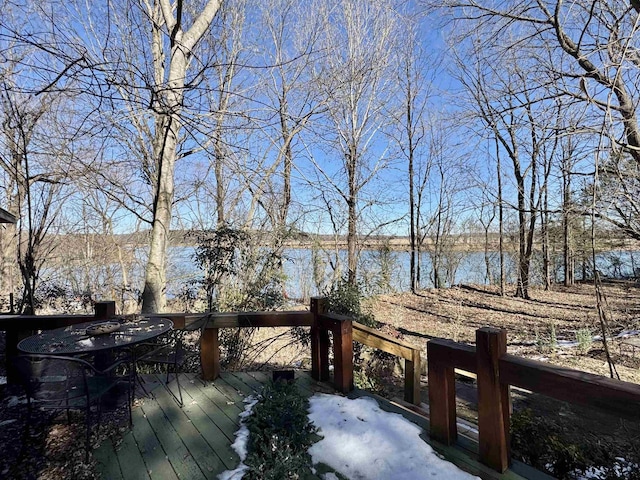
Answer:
(166, 139)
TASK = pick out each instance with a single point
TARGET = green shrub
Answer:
(584, 339)
(553, 339)
(280, 435)
(537, 441)
(547, 345)
(345, 298)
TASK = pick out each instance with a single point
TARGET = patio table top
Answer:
(75, 339)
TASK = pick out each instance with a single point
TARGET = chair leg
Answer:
(99, 414)
(180, 402)
(177, 398)
(141, 382)
(131, 385)
(87, 445)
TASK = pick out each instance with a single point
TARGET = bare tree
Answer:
(516, 115)
(588, 52)
(413, 92)
(140, 78)
(444, 182)
(354, 78)
(35, 169)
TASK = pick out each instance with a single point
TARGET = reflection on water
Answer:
(309, 272)
(303, 269)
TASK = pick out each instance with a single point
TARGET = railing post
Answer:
(343, 355)
(210, 354)
(493, 399)
(319, 341)
(105, 310)
(412, 378)
(442, 394)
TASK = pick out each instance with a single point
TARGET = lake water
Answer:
(469, 267)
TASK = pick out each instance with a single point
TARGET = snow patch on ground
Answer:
(241, 442)
(622, 468)
(363, 442)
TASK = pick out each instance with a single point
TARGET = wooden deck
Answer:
(194, 442)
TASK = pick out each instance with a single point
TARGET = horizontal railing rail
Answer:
(573, 386)
(411, 355)
(496, 371)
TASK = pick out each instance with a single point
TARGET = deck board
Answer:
(175, 450)
(206, 425)
(197, 448)
(194, 442)
(131, 462)
(149, 447)
(106, 467)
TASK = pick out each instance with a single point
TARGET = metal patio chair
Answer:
(172, 352)
(55, 382)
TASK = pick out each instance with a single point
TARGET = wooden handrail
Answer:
(411, 355)
(261, 319)
(453, 354)
(573, 386)
(496, 371)
(243, 319)
(376, 339)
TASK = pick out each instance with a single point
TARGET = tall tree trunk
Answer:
(167, 132)
(219, 174)
(546, 255)
(569, 267)
(352, 212)
(412, 216)
(153, 295)
(503, 279)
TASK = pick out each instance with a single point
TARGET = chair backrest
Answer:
(51, 380)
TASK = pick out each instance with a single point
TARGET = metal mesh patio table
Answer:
(75, 339)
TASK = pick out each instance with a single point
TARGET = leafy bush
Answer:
(345, 298)
(239, 274)
(547, 344)
(537, 441)
(545, 445)
(280, 435)
(373, 369)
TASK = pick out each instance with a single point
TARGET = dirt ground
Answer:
(544, 328)
(455, 313)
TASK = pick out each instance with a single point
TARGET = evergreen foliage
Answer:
(280, 435)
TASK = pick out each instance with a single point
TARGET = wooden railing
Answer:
(496, 371)
(321, 323)
(411, 355)
(18, 327)
(343, 330)
(317, 319)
